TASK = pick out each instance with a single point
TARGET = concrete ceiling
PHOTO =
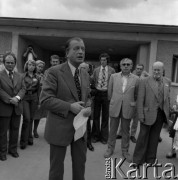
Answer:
(93, 46)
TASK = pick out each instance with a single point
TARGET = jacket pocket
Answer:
(133, 104)
(145, 108)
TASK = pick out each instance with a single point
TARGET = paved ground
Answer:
(33, 163)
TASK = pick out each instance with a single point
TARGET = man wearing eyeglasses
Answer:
(122, 93)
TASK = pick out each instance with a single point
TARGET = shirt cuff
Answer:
(18, 97)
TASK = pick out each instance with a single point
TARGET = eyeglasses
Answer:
(126, 64)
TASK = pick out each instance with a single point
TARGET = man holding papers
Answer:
(64, 94)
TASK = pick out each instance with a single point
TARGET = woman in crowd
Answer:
(172, 131)
(40, 113)
(30, 102)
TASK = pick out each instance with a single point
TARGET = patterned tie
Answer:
(103, 78)
(77, 83)
(11, 76)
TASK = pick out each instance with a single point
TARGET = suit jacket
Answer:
(58, 92)
(9, 90)
(119, 99)
(96, 74)
(147, 104)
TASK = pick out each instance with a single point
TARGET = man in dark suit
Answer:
(64, 95)
(101, 76)
(153, 110)
(11, 93)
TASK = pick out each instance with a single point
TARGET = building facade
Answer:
(143, 43)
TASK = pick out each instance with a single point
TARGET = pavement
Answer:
(33, 163)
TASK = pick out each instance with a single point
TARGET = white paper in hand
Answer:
(80, 123)
(176, 125)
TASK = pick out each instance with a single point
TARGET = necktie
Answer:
(77, 84)
(11, 76)
(103, 78)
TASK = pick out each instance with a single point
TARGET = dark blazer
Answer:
(9, 90)
(58, 92)
(147, 103)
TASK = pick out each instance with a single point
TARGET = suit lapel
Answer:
(153, 86)
(7, 79)
(83, 79)
(166, 88)
(129, 83)
(15, 79)
(97, 73)
(69, 79)
(120, 83)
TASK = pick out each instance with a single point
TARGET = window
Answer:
(175, 69)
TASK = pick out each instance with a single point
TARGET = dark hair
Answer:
(54, 57)
(67, 45)
(140, 65)
(26, 65)
(9, 54)
(106, 55)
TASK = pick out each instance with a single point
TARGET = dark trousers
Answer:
(89, 130)
(57, 155)
(101, 103)
(147, 142)
(29, 108)
(12, 124)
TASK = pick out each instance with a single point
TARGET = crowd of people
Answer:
(63, 90)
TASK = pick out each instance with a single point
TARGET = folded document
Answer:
(80, 124)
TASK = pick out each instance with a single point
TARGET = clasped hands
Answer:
(78, 106)
(14, 101)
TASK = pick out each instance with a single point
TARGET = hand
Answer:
(87, 112)
(39, 106)
(142, 120)
(14, 101)
(76, 107)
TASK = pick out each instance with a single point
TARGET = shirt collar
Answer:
(106, 68)
(72, 68)
(8, 71)
(126, 75)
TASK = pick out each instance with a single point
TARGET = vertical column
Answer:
(152, 54)
(142, 55)
(15, 38)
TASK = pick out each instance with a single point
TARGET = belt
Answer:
(30, 92)
(102, 92)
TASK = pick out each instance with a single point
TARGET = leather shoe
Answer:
(118, 137)
(171, 155)
(133, 139)
(22, 146)
(108, 153)
(3, 157)
(90, 147)
(36, 135)
(127, 157)
(14, 154)
(103, 141)
(30, 143)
